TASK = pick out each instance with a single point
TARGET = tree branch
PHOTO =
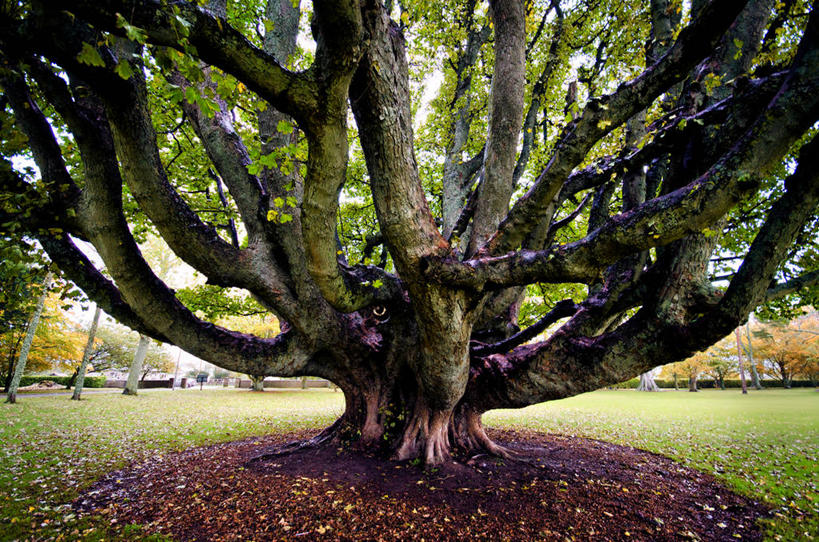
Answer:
(602, 115)
(505, 117)
(793, 285)
(666, 218)
(563, 309)
(216, 42)
(229, 156)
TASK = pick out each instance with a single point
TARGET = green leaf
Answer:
(90, 56)
(123, 69)
(278, 202)
(134, 33)
(284, 127)
(286, 218)
(190, 95)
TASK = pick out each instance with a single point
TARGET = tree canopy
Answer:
(403, 185)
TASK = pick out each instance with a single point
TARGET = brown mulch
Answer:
(558, 488)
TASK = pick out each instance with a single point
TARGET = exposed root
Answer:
(328, 435)
(437, 444)
(470, 436)
(427, 431)
(372, 430)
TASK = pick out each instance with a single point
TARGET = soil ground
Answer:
(556, 488)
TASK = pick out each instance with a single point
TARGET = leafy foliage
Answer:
(117, 345)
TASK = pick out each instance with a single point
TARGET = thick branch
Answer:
(229, 155)
(505, 117)
(136, 147)
(216, 42)
(603, 115)
(379, 96)
(43, 144)
(792, 286)
(563, 309)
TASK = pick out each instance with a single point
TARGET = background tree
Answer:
(57, 342)
(748, 348)
(721, 361)
(256, 382)
(690, 368)
(400, 253)
(134, 370)
(788, 350)
(25, 347)
(86, 356)
(116, 351)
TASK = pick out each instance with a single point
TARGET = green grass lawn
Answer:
(764, 445)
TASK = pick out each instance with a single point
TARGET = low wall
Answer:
(289, 384)
(144, 384)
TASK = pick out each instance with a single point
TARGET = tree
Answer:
(647, 382)
(748, 347)
(56, 344)
(256, 382)
(789, 350)
(86, 356)
(26, 346)
(522, 180)
(691, 368)
(117, 349)
(132, 382)
(721, 361)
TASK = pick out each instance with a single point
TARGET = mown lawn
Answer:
(764, 445)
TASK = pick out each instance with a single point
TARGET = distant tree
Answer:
(57, 342)
(117, 347)
(788, 350)
(647, 382)
(220, 374)
(690, 368)
(132, 382)
(26, 344)
(256, 382)
(86, 356)
(720, 361)
(748, 348)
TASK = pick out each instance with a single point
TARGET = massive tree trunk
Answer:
(428, 341)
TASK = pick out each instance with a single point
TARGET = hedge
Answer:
(90, 381)
(682, 383)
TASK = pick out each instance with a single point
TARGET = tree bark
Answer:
(86, 355)
(751, 362)
(257, 383)
(647, 383)
(132, 384)
(27, 341)
(741, 365)
(692, 383)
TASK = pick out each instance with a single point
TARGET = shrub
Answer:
(90, 381)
